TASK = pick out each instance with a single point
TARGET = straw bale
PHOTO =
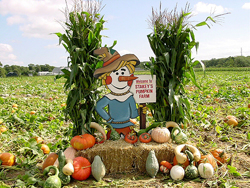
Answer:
(120, 156)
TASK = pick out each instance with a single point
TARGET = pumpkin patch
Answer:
(53, 128)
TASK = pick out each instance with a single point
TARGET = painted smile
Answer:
(118, 87)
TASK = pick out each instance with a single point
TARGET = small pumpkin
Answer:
(81, 142)
(220, 155)
(50, 160)
(152, 165)
(160, 135)
(3, 129)
(98, 169)
(206, 170)
(7, 159)
(177, 173)
(45, 148)
(131, 138)
(145, 138)
(207, 158)
(82, 168)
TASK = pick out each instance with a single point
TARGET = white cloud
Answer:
(16, 19)
(202, 7)
(7, 56)
(36, 18)
(222, 49)
(246, 6)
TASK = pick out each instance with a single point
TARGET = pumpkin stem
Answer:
(203, 151)
(86, 167)
(221, 154)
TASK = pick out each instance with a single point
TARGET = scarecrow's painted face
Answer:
(123, 71)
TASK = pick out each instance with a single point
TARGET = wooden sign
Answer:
(144, 89)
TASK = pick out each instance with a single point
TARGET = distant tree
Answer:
(38, 68)
(2, 72)
(1, 64)
(31, 67)
(7, 68)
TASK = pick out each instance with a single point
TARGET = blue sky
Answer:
(26, 27)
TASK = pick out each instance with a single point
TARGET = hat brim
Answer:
(113, 66)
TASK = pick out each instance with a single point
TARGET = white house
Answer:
(43, 73)
(58, 70)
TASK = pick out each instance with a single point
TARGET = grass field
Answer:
(33, 106)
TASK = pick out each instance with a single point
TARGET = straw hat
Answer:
(111, 60)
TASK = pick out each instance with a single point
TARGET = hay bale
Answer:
(120, 156)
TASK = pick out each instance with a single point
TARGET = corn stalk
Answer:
(172, 41)
(82, 36)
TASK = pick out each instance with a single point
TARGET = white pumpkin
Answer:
(160, 135)
(177, 172)
(206, 170)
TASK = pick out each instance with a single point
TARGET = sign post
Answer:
(144, 90)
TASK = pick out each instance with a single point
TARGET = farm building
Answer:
(58, 70)
(44, 73)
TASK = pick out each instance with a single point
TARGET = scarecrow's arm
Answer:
(134, 110)
(100, 105)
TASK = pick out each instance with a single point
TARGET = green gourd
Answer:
(114, 135)
(52, 181)
(191, 172)
(98, 169)
(180, 137)
(62, 161)
(152, 164)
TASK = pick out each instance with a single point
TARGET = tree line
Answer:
(24, 71)
(238, 61)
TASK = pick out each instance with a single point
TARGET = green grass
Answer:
(205, 129)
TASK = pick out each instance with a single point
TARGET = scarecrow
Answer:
(117, 75)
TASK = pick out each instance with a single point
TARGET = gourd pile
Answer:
(65, 165)
(188, 163)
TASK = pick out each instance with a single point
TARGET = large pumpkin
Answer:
(160, 135)
(81, 142)
(82, 168)
(7, 159)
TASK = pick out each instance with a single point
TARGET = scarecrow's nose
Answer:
(126, 78)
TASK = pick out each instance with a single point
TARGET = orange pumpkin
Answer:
(3, 129)
(45, 148)
(7, 159)
(81, 142)
(82, 168)
(207, 158)
(220, 155)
